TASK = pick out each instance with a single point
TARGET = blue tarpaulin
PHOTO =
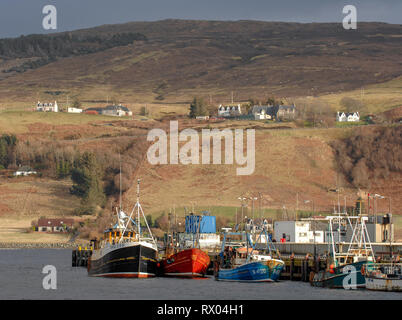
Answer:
(207, 225)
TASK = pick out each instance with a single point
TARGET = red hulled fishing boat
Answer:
(191, 263)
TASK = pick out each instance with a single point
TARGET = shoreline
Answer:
(39, 245)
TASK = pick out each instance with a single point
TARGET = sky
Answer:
(22, 17)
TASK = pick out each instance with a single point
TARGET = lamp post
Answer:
(242, 199)
(312, 204)
(252, 204)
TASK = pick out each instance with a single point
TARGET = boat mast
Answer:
(198, 233)
(390, 237)
(120, 183)
(138, 207)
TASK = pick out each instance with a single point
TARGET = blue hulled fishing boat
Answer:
(241, 262)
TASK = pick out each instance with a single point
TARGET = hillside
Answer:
(163, 65)
(288, 162)
(292, 166)
(178, 59)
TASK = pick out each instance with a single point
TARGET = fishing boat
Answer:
(125, 249)
(383, 277)
(189, 262)
(239, 262)
(344, 269)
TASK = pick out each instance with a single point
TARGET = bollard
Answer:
(74, 258)
(317, 263)
(292, 267)
(306, 271)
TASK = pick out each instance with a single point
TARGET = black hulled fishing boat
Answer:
(125, 250)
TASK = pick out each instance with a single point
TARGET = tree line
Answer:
(369, 154)
(47, 48)
(95, 173)
(7, 150)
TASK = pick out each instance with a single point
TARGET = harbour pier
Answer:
(80, 256)
(300, 259)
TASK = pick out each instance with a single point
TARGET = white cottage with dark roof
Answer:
(273, 112)
(118, 111)
(229, 111)
(47, 107)
(347, 116)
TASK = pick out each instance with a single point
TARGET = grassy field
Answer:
(18, 121)
(23, 200)
(17, 230)
(377, 98)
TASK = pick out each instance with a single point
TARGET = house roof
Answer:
(98, 109)
(229, 108)
(25, 169)
(287, 107)
(267, 109)
(347, 114)
(113, 107)
(56, 222)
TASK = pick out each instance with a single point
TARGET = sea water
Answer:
(21, 277)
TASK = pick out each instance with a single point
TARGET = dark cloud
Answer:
(25, 16)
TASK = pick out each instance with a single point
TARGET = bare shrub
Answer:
(369, 154)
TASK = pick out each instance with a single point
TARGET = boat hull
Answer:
(187, 263)
(346, 277)
(383, 284)
(261, 271)
(128, 261)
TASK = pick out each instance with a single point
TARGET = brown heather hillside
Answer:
(289, 161)
(180, 59)
(292, 166)
(370, 154)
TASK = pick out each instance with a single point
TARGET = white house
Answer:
(229, 111)
(24, 171)
(117, 111)
(202, 118)
(297, 231)
(47, 107)
(55, 225)
(263, 112)
(273, 112)
(347, 116)
(74, 110)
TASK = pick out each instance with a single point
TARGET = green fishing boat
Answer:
(345, 269)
